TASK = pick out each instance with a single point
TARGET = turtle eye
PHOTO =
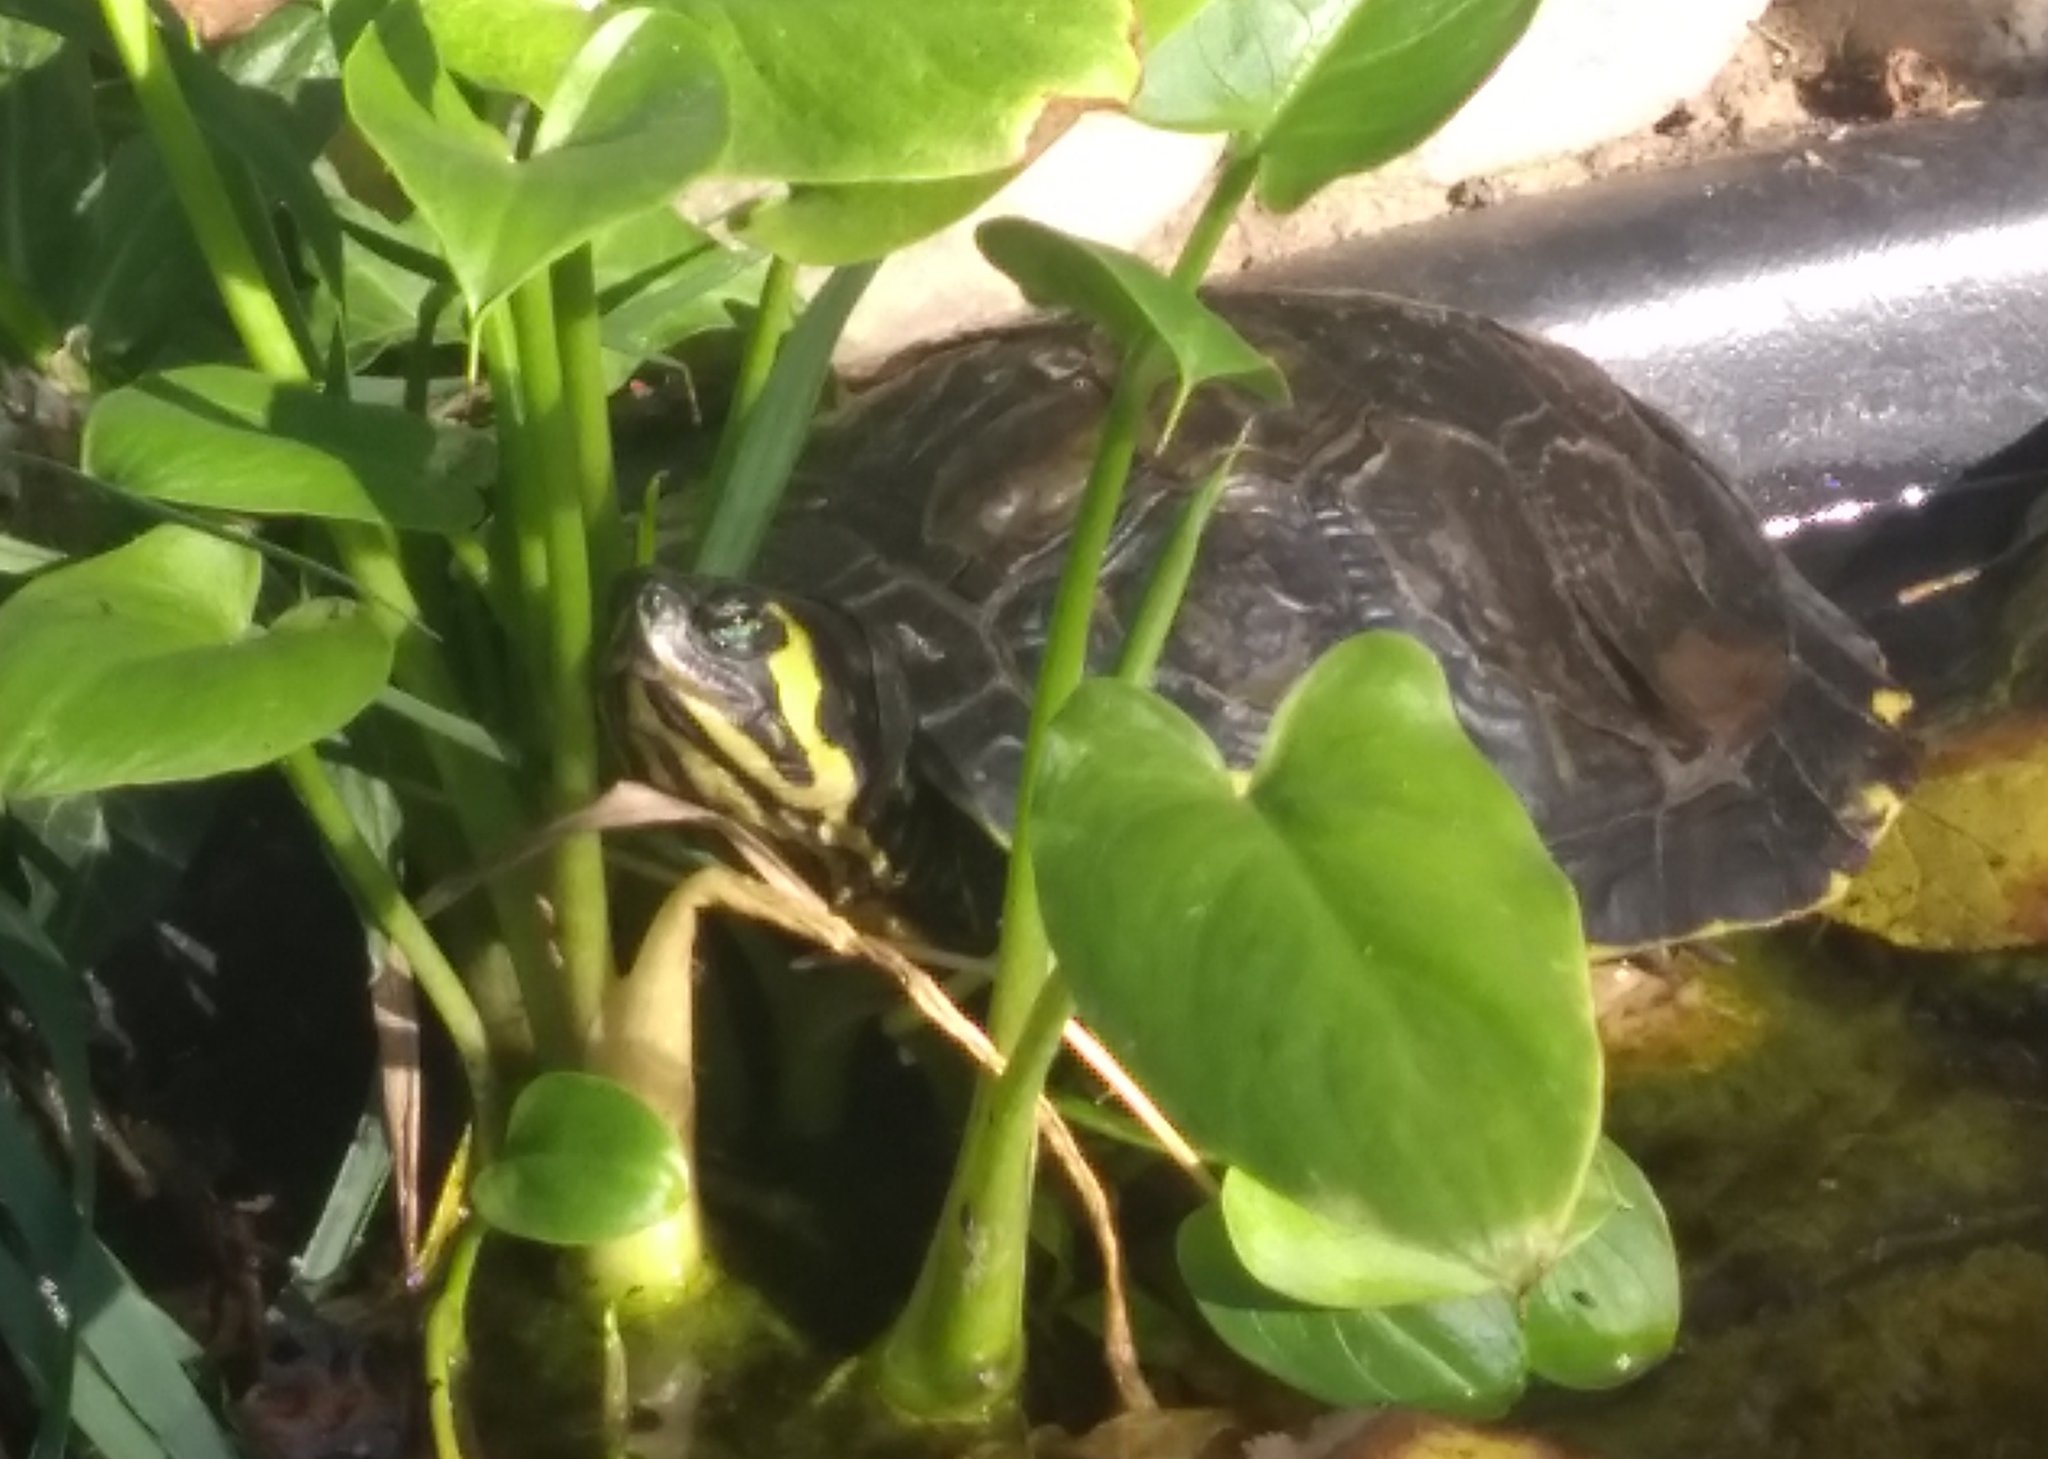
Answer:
(732, 625)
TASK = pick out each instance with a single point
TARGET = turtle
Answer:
(1703, 740)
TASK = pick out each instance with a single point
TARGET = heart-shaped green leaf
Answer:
(521, 46)
(639, 112)
(1310, 1258)
(1462, 1356)
(139, 667)
(234, 439)
(584, 1161)
(852, 222)
(903, 90)
(1610, 1308)
(1361, 979)
(1132, 301)
(662, 281)
(1323, 88)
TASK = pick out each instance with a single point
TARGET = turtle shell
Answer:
(1703, 740)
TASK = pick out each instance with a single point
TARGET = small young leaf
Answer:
(1131, 300)
(637, 114)
(584, 1161)
(237, 440)
(1462, 1356)
(1610, 1308)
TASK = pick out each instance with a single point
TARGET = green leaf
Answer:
(1323, 88)
(60, 17)
(857, 221)
(584, 1161)
(143, 290)
(637, 114)
(776, 428)
(237, 440)
(903, 90)
(103, 867)
(1131, 300)
(18, 557)
(1158, 19)
(139, 667)
(377, 306)
(36, 980)
(1462, 1356)
(259, 126)
(1610, 1308)
(662, 281)
(1304, 1255)
(53, 155)
(1362, 979)
(521, 46)
(132, 1398)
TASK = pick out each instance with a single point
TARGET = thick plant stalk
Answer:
(551, 505)
(957, 1347)
(574, 283)
(961, 1307)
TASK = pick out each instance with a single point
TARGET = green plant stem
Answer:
(955, 1353)
(966, 1317)
(773, 312)
(445, 1347)
(1205, 236)
(484, 799)
(1025, 959)
(203, 191)
(521, 573)
(582, 908)
(385, 905)
(577, 326)
(1152, 624)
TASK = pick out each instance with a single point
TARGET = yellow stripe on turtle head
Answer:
(799, 689)
(800, 693)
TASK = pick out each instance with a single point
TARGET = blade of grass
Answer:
(455, 729)
(18, 558)
(775, 429)
(132, 1397)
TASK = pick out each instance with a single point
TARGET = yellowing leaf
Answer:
(1965, 867)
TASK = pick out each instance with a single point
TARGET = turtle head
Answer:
(780, 712)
